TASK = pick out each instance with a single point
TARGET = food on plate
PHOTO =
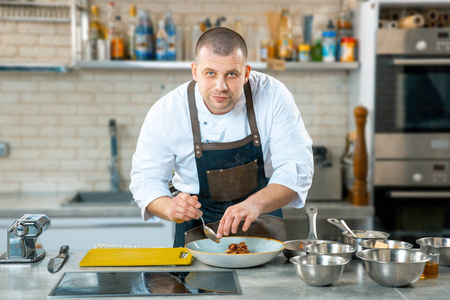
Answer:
(240, 248)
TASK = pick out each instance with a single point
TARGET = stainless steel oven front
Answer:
(412, 132)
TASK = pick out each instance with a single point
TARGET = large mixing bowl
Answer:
(391, 244)
(363, 235)
(262, 250)
(319, 270)
(436, 244)
(333, 249)
(393, 267)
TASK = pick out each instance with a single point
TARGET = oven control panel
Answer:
(412, 173)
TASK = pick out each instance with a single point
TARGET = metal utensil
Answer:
(55, 264)
(337, 223)
(208, 231)
(348, 228)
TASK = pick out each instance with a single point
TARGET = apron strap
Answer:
(251, 114)
(194, 120)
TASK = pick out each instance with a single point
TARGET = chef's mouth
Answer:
(220, 99)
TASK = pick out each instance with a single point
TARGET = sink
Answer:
(96, 198)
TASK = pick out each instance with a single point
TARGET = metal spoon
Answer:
(348, 228)
(337, 223)
(208, 231)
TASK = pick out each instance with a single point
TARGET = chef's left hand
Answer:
(246, 211)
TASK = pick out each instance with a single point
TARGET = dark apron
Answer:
(228, 174)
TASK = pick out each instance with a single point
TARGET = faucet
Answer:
(113, 170)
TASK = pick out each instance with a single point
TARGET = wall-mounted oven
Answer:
(412, 132)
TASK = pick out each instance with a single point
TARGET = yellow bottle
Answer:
(284, 45)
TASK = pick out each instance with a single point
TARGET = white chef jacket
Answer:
(165, 142)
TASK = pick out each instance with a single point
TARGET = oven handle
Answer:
(420, 62)
(419, 194)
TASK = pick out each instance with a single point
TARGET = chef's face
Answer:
(220, 79)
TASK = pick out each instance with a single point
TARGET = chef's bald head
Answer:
(222, 41)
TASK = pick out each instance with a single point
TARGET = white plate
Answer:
(262, 250)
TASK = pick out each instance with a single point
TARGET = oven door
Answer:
(412, 94)
(409, 213)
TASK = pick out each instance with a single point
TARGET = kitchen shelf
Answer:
(185, 65)
(34, 11)
(31, 67)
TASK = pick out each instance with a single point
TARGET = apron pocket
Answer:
(233, 183)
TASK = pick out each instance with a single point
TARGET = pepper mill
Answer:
(360, 195)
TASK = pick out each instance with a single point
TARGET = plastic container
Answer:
(304, 52)
(348, 49)
(329, 46)
(171, 32)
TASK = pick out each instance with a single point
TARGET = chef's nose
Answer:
(221, 85)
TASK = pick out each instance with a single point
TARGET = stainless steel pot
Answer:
(295, 247)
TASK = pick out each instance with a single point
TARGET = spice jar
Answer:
(347, 49)
(264, 50)
(304, 52)
(271, 50)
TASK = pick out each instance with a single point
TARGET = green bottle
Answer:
(316, 51)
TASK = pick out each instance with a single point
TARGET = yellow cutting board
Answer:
(125, 257)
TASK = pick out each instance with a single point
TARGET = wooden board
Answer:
(136, 257)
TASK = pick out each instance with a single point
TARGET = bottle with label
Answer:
(161, 42)
(284, 44)
(95, 32)
(171, 31)
(316, 52)
(131, 41)
(117, 41)
(329, 43)
(304, 52)
(144, 37)
(110, 19)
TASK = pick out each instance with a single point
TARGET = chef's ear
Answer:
(247, 72)
(194, 70)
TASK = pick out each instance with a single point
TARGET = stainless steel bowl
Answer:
(362, 236)
(319, 270)
(333, 249)
(393, 267)
(295, 247)
(391, 244)
(436, 244)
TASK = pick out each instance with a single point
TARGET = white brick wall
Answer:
(57, 124)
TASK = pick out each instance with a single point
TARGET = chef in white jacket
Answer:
(233, 143)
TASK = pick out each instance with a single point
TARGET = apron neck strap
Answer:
(196, 127)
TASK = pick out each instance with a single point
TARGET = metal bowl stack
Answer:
(439, 245)
(295, 247)
(319, 270)
(390, 244)
(333, 249)
(393, 267)
(363, 235)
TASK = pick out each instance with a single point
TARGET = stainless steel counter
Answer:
(274, 280)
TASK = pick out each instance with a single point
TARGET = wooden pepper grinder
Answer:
(360, 195)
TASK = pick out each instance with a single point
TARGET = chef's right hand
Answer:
(183, 207)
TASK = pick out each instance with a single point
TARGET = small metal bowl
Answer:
(434, 245)
(319, 270)
(391, 244)
(333, 249)
(363, 235)
(295, 247)
(393, 267)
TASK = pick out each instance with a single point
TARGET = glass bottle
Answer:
(117, 41)
(95, 32)
(144, 37)
(316, 52)
(131, 41)
(284, 44)
(237, 26)
(171, 31)
(161, 42)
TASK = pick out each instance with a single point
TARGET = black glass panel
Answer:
(101, 284)
(411, 98)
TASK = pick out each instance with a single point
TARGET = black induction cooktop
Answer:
(155, 283)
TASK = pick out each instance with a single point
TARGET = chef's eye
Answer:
(232, 74)
(209, 73)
